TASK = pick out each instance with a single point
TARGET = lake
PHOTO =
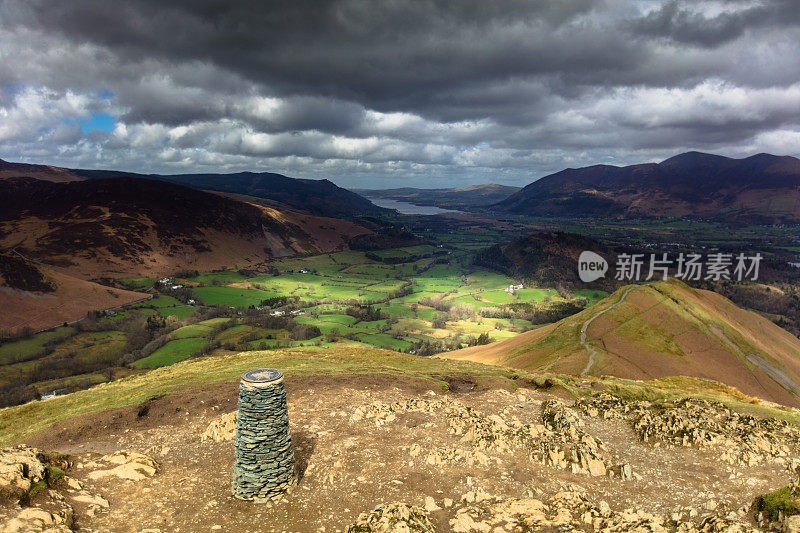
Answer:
(407, 208)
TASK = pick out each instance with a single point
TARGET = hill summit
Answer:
(387, 442)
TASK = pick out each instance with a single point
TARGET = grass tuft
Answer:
(774, 503)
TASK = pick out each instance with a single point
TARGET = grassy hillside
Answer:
(658, 330)
(20, 422)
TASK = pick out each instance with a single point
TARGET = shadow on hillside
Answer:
(304, 443)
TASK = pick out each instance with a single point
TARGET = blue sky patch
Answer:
(97, 122)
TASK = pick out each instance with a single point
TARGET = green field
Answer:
(166, 306)
(225, 277)
(536, 295)
(193, 330)
(345, 320)
(137, 284)
(593, 296)
(16, 350)
(231, 296)
(158, 302)
(384, 341)
(170, 353)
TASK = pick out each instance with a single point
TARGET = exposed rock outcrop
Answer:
(574, 511)
(20, 468)
(742, 439)
(33, 520)
(392, 518)
(131, 465)
(559, 441)
(223, 429)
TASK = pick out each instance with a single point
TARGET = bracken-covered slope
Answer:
(658, 330)
(40, 172)
(118, 226)
(761, 188)
(38, 297)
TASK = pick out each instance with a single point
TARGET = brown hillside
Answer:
(131, 226)
(659, 330)
(39, 172)
(329, 234)
(70, 299)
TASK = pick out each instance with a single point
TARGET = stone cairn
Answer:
(264, 468)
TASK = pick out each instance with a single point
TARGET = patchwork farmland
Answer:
(420, 299)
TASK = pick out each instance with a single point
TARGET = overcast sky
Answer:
(387, 93)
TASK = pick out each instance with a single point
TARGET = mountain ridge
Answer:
(658, 330)
(314, 197)
(760, 188)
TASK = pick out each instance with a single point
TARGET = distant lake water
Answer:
(407, 208)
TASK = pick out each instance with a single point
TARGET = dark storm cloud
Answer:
(503, 90)
(678, 21)
(381, 52)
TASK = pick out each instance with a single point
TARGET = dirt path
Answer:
(585, 327)
(774, 372)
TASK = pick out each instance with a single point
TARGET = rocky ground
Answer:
(390, 454)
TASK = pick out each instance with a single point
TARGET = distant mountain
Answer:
(763, 188)
(659, 330)
(457, 198)
(315, 197)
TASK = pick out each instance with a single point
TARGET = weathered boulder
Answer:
(33, 520)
